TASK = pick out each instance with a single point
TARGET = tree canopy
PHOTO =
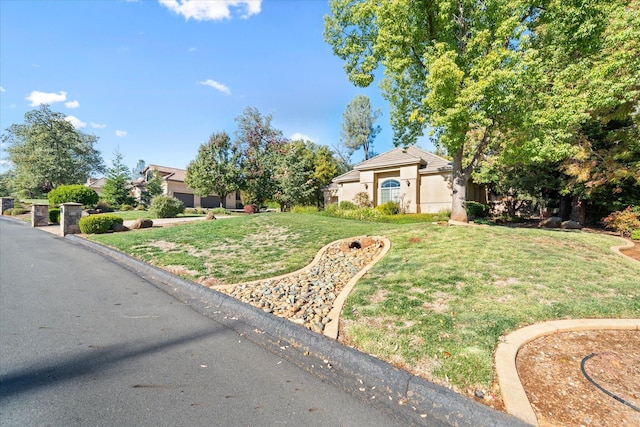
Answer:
(215, 169)
(259, 145)
(517, 77)
(47, 151)
(358, 129)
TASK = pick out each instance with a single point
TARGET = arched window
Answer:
(390, 191)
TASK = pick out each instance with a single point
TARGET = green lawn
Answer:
(438, 302)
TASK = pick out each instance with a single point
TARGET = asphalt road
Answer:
(84, 341)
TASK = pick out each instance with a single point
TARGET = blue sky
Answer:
(155, 79)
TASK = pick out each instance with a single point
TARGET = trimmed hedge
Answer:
(54, 216)
(73, 193)
(477, 210)
(98, 224)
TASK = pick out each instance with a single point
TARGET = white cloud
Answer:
(38, 98)
(121, 133)
(301, 137)
(2, 89)
(72, 104)
(75, 122)
(217, 86)
(98, 125)
(212, 10)
(192, 49)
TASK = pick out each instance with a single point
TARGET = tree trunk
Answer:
(459, 190)
(578, 210)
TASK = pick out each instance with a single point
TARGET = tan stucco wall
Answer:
(435, 193)
(348, 190)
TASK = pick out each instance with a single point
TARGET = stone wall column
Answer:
(70, 214)
(7, 203)
(39, 215)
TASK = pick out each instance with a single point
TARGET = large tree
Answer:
(215, 169)
(259, 145)
(117, 187)
(473, 71)
(303, 170)
(358, 125)
(47, 151)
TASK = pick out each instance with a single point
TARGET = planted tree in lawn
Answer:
(474, 72)
(117, 187)
(152, 187)
(358, 125)
(47, 151)
(215, 169)
(259, 146)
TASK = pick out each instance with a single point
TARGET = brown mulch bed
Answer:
(559, 392)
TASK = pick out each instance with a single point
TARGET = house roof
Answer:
(167, 173)
(96, 182)
(352, 175)
(412, 155)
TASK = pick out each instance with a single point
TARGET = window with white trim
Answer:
(390, 191)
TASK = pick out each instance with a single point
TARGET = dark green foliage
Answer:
(166, 207)
(54, 215)
(73, 194)
(47, 152)
(98, 224)
(117, 187)
(389, 208)
(477, 210)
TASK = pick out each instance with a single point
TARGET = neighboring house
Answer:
(96, 184)
(417, 180)
(173, 186)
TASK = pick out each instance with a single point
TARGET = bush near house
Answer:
(636, 234)
(347, 205)
(477, 210)
(389, 208)
(73, 194)
(98, 224)
(166, 207)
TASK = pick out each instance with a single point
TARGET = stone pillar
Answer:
(39, 215)
(7, 203)
(70, 214)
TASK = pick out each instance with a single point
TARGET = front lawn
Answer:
(441, 298)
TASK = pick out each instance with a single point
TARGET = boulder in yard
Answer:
(142, 223)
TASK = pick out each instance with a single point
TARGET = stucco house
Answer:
(173, 185)
(416, 179)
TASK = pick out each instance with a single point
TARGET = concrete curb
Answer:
(410, 398)
(513, 394)
(627, 244)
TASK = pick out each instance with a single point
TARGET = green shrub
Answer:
(7, 211)
(347, 205)
(98, 224)
(200, 210)
(54, 215)
(126, 207)
(166, 207)
(220, 211)
(190, 211)
(19, 210)
(389, 208)
(625, 222)
(364, 214)
(331, 209)
(635, 234)
(140, 207)
(72, 194)
(477, 210)
(304, 209)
